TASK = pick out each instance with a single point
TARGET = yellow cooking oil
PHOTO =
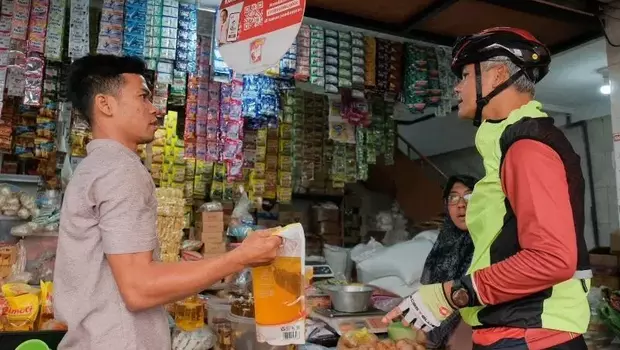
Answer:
(278, 290)
(189, 314)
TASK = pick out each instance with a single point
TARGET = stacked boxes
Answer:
(210, 226)
(326, 223)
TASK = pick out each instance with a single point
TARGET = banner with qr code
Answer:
(253, 35)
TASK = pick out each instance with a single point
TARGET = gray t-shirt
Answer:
(109, 208)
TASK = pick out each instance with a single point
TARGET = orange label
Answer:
(444, 311)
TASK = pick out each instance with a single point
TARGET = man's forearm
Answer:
(160, 283)
(523, 274)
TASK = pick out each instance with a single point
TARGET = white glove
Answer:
(424, 309)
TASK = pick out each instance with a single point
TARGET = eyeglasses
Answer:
(454, 199)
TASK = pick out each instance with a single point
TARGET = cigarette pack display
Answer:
(55, 30)
(79, 30)
(111, 27)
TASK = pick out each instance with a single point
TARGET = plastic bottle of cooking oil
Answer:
(189, 314)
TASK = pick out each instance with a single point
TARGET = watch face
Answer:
(460, 298)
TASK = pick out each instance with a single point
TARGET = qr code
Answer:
(253, 16)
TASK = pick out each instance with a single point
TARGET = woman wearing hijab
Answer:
(450, 258)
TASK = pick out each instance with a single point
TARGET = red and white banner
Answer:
(253, 35)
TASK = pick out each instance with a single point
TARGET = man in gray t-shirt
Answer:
(107, 287)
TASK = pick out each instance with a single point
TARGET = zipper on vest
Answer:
(584, 286)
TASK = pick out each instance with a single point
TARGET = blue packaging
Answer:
(135, 13)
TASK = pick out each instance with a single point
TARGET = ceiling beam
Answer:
(432, 10)
(439, 39)
(376, 26)
(576, 41)
(546, 9)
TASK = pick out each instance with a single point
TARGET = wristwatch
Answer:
(459, 294)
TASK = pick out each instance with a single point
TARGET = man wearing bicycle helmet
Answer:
(529, 277)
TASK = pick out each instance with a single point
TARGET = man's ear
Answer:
(501, 75)
(102, 103)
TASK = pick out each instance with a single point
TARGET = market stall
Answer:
(280, 147)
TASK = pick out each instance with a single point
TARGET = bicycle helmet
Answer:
(520, 46)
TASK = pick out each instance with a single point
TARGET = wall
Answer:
(416, 189)
(468, 161)
(572, 86)
(445, 134)
(439, 135)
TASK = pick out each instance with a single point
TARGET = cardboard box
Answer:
(614, 240)
(327, 228)
(212, 216)
(612, 282)
(212, 237)
(214, 248)
(603, 263)
(213, 227)
(212, 222)
(212, 255)
(322, 214)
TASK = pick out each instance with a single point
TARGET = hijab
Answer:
(449, 259)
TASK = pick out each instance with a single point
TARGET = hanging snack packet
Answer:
(47, 304)
(278, 291)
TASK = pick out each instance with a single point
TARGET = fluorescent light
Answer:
(605, 89)
(208, 9)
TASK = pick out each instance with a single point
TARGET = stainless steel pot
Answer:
(349, 298)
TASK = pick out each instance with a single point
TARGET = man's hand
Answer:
(260, 247)
(424, 309)
(144, 283)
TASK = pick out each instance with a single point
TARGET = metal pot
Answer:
(350, 298)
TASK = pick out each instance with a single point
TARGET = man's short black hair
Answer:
(97, 74)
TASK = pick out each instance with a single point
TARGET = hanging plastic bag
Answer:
(241, 220)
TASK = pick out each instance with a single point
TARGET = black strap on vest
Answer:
(481, 102)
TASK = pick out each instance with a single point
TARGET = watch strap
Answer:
(466, 282)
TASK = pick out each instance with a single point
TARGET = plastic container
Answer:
(217, 312)
(240, 327)
(244, 334)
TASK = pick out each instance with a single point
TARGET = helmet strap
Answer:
(481, 102)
